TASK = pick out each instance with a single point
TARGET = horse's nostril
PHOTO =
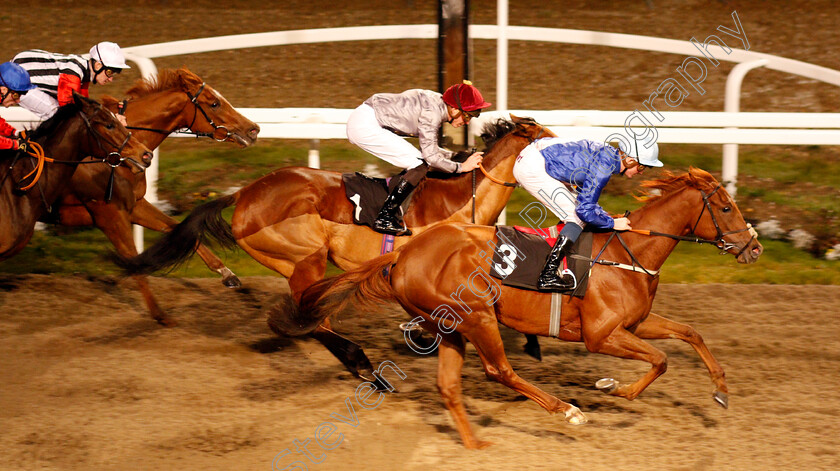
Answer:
(147, 157)
(253, 132)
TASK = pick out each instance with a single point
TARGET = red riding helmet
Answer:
(464, 97)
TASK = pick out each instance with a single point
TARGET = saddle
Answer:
(367, 195)
(521, 252)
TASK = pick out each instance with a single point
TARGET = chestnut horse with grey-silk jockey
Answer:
(295, 219)
(614, 318)
(156, 107)
(80, 129)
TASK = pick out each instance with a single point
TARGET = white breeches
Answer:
(40, 103)
(529, 171)
(364, 131)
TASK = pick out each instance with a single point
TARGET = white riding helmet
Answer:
(647, 156)
(109, 54)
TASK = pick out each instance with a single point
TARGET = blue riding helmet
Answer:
(15, 77)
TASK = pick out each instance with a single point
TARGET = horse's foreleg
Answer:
(116, 225)
(488, 342)
(658, 327)
(148, 216)
(450, 362)
(623, 344)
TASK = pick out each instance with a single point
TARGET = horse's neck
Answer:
(67, 144)
(491, 197)
(672, 214)
(451, 199)
(164, 110)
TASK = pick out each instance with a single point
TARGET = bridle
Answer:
(115, 157)
(719, 240)
(198, 108)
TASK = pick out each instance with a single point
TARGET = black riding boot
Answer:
(549, 279)
(389, 221)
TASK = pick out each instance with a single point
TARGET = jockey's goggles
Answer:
(473, 113)
(14, 94)
(110, 72)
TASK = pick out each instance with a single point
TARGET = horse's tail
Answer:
(203, 224)
(366, 286)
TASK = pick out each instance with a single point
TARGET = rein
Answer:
(121, 106)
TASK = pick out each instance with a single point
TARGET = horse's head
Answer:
(109, 139)
(530, 129)
(721, 220)
(217, 117)
(503, 138)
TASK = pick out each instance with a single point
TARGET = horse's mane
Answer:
(491, 133)
(166, 79)
(695, 178)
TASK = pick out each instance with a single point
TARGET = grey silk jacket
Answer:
(416, 113)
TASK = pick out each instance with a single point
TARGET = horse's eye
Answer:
(110, 126)
(215, 104)
(726, 209)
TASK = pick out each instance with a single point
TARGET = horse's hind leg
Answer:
(488, 342)
(658, 327)
(148, 216)
(306, 272)
(114, 222)
(450, 363)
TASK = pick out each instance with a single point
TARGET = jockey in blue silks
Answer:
(568, 177)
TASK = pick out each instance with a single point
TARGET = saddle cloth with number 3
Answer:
(520, 255)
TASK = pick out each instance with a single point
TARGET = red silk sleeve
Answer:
(6, 143)
(6, 129)
(67, 84)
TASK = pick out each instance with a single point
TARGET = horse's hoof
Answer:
(166, 321)
(409, 327)
(721, 398)
(232, 281)
(478, 445)
(607, 385)
(575, 417)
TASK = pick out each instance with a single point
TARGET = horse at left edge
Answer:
(34, 179)
(174, 99)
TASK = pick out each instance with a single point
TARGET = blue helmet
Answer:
(15, 77)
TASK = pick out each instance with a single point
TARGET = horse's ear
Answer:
(83, 102)
(188, 79)
(109, 102)
(527, 127)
